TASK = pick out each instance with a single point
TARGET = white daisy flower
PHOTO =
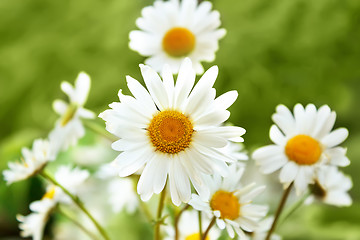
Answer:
(32, 162)
(172, 30)
(230, 204)
(331, 186)
(303, 142)
(173, 129)
(188, 228)
(68, 129)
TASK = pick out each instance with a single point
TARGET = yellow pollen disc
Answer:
(303, 150)
(49, 194)
(178, 42)
(226, 203)
(170, 131)
(195, 236)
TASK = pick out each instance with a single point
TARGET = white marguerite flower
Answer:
(68, 129)
(172, 30)
(34, 223)
(231, 204)
(32, 161)
(331, 187)
(173, 129)
(188, 227)
(302, 142)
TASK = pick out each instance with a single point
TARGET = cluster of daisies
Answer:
(173, 140)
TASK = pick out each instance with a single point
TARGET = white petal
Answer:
(288, 172)
(82, 88)
(335, 137)
(276, 136)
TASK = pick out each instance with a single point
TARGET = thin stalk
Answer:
(96, 128)
(208, 228)
(176, 221)
(77, 201)
(293, 208)
(157, 235)
(200, 224)
(279, 210)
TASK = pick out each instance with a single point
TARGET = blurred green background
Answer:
(276, 51)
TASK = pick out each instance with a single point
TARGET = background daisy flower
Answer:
(172, 30)
(173, 129)
(302, 142)
(31, 163)
(68, 129)
(230, 203)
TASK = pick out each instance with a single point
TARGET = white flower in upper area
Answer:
(331, 186)
(31, 163)
(303, 142)
(172, 30)
(173, 129)
(230, 204)
(188, 228)
(68, 129)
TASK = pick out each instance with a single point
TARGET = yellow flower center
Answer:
(170, 131)
(303, 150)
(195, 236)
(50, 193)
(178, 42)
(69, 114)
(226, 203)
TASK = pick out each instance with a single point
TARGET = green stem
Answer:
(176, 221)
(208, 228)
(279, 210)
(96, 128)
(77, 201)
(293, 208)
(200, 224)
(159, 213)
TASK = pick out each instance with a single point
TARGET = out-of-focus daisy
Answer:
(172, 30)
(68, 129)
(261, 231)
(236, 150)
(303, 142)
(188, 228)
(230, 204)
(331, 186)
(173, 129)
(32, 161)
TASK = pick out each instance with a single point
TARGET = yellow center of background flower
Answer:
(303, 150)
(178, 42)
(195, 236)
(226, 203)
(49, 194)
(170, 131)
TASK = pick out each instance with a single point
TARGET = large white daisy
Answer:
(231, 204)
(303, 142)
(172, 30)
(31, 163)
(68, 129)
(173, 129)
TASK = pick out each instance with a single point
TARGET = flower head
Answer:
(68, 129)
(31, 163)
(303, 142)
(173, 129)
(231, 204)
(172, 30)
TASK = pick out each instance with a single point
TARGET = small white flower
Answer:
(303, 142)
(175, 130)
(188, 227)
(331, 187)
(68, 129)
(31, 163)
(230, 204)
(172, 30)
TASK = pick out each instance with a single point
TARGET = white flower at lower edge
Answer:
(172, 30)
(69, 128)
(302, 143)
(231, 204)
(34, 223)
(174, 130)
(31, 163)
(331, 187)
(188, 227)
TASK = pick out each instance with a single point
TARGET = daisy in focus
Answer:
(32, 161)
(68, 129)
(230, 204)
(302, 143)
(172, 30)
(174, 130)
